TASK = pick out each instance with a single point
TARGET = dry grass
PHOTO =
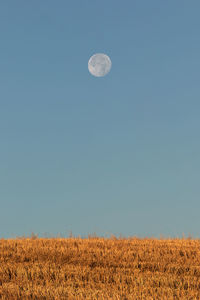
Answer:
(99, 268)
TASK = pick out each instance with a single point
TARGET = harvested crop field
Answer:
(99, 268)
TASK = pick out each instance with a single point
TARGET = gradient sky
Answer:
(112, 155)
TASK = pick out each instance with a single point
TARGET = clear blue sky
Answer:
(112, 155)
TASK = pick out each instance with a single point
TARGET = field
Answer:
(99, 268)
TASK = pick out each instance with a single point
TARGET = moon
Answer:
(99, 65)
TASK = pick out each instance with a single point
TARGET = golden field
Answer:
(99, 268)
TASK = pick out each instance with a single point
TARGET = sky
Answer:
(84, 155)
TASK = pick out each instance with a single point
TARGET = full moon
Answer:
(99, 64)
